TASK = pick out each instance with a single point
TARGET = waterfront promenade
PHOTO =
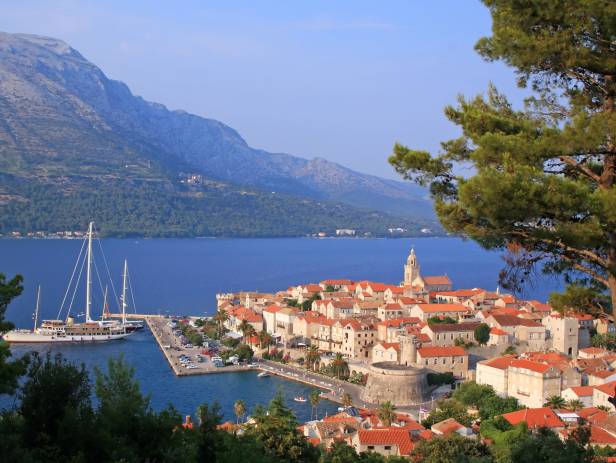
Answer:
(333, 389)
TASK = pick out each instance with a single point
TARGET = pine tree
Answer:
(543, 186)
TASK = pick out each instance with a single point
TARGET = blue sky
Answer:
(339, 79)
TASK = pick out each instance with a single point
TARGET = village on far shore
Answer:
(413, 344)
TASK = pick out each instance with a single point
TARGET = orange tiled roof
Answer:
(535, 418)
(446, 427)
(530, 365)
(437, 280)
(582, 391)
(387, 345)
(387, 436)
(602, 373)
(498, 332)
(272, 308)
(502, 363)
(510, 320)
(593, 415)
(594, 350)
(607, 388)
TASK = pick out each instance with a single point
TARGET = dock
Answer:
(172, 350)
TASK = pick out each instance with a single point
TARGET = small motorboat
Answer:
(263, 374)
(299, 398)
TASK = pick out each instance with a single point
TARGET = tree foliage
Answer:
(453, 448)
(482, 334)
(543, 187)
(10, 371)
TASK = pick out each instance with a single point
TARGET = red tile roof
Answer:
(535, 418)
(446, 427)
(387, 436)
(510, 320)
(498, 332)
(530, 365)
(437, 280)
(593, 415)
(502, 363)
(387, 345)
(602, 373)
(441, 351)
(607, 388)
(594, 350)
(582, 391)
(272, 308)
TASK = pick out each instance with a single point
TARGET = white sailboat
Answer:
(53, 331)
(129, 325)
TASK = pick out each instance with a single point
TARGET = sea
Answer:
(183, 276)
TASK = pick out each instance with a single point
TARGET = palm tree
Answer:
(555, 401)
(340, 367)
(347, 400)
(221, 317)
(239, 408)
(386, 413)
(575, 404)
(244, 327)
(315, 398)
(312, 357)
(264, 339)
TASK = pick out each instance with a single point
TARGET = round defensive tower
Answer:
(401, 384)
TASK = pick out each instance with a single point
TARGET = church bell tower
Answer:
(411, 269)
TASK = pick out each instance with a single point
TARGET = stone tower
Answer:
(408, 350)
(411, 269)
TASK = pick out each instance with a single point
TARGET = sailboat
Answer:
(53, 331)
(129, 325)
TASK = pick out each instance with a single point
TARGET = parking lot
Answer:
(187, 360)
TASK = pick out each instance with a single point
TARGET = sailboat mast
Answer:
(104, 304)
(124, 281)
(36, 312)
(89, 274)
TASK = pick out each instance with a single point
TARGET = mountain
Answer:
(67, 131)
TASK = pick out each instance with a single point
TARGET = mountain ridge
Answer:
(63, 118)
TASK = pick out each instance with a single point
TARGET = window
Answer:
(388, 447)
(371, 447)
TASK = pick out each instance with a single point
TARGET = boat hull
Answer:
(28, 337)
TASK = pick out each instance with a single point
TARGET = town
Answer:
(423, 360)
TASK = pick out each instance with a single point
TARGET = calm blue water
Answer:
(183, 276)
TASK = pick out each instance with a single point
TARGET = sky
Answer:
(337, 79)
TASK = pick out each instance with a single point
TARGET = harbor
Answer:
(173, 351)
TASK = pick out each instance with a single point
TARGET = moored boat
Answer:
(54, 331)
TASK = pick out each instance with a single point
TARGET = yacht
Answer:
(54, 331)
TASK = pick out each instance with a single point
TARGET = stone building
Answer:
(445, 334)
(444, 359)
(532, 383)
(562, 333)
